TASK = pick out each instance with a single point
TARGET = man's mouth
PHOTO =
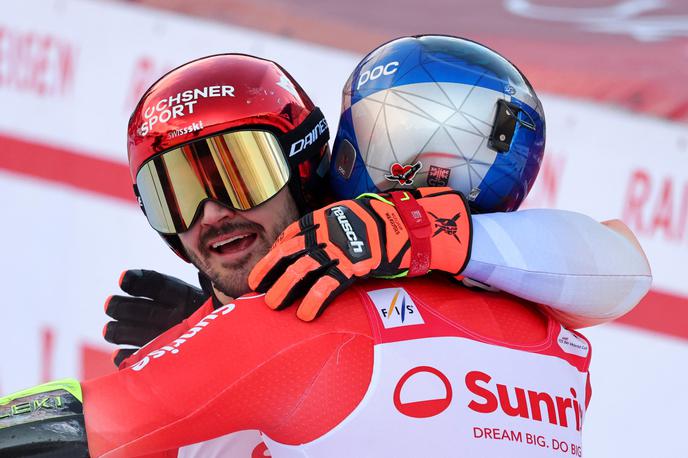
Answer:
(234, 243)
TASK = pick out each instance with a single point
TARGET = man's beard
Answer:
(231, 279)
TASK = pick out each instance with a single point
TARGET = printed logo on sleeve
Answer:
(174, 346)
(572, 344)
(395, 307)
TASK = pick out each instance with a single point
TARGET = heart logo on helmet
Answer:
(403, 174)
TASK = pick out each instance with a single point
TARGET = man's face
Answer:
(225, 244)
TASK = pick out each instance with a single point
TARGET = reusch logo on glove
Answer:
(344, 227)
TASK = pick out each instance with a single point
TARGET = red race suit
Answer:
(415, 367)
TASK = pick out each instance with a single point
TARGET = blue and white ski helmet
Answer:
(434, 110)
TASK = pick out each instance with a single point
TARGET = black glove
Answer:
(156, 303)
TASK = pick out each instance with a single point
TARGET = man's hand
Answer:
(156, 303)
(400, 233)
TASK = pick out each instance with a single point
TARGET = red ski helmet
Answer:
(232, 128)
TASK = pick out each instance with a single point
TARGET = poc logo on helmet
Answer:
(376, 72)
(344, 227)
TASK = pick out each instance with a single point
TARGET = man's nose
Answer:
(213, 213)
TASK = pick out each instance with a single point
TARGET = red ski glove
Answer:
(400, 233)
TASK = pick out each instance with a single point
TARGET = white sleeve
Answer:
(584, 271)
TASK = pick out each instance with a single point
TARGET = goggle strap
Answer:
(307, 139)
(323, 166)
(138, 198)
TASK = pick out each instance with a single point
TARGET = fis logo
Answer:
(400, 310)
(395, 307)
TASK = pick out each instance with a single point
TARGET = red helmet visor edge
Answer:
(241, 169)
